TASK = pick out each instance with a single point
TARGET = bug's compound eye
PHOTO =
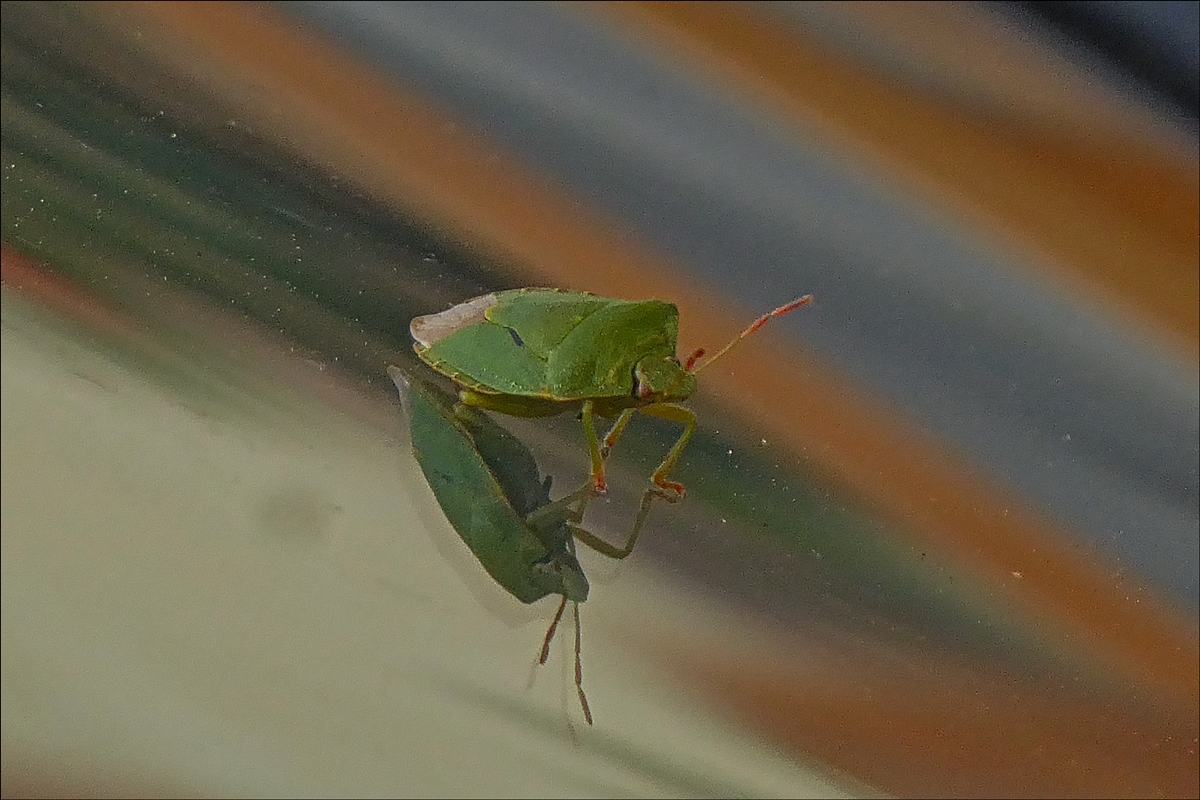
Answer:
(642, 390)
(643, 387)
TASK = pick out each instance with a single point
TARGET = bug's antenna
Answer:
(587, 712)
(550, 633)
(691, 366)
(583, 703)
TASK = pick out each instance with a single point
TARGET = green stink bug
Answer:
(488, 485)
(540, 352)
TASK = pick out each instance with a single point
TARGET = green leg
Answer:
(554, 512)
(599, 484)
(612, 551)
(672, 491)
(617, 429)
(598, 452)
(669, 490)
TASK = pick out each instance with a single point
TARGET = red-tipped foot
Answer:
(670, 491)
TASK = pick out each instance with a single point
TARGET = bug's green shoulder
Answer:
(599, 357)
(543, 318)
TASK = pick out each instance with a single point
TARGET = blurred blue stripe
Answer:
(1156, 43)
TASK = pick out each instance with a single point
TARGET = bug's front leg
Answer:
(671, 490)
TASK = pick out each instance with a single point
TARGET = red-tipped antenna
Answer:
(754, 326)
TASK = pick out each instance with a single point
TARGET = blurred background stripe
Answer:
(986, 122)
(885, 459)
(940, 325)
(1001, 365)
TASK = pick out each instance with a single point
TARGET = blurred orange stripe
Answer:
(273, 76)
(1117, 215)
(915, 726)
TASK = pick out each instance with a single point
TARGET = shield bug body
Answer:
(540, 352)
(488, 485)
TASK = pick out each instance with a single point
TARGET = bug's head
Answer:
(561, 574)
(662, 380)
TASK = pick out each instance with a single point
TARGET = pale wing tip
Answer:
(432, 328)
(401, 379)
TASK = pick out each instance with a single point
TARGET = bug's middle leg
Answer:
(616, 430)
(670, 490)
(587, 416)
(599, 450)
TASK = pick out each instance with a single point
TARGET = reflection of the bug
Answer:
(489, 487)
